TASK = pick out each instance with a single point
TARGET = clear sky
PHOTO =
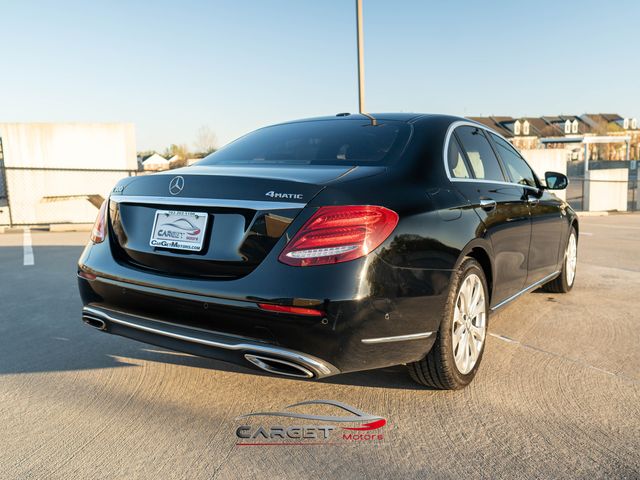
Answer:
(234, 65)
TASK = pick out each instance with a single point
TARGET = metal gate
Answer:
(4, 191)
(633, 198)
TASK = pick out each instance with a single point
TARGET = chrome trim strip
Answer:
(399, 338)
(479, 180)
(206, 202)
(445, 153)
(527, 289)
(320, 367)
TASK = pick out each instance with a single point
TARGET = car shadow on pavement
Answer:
(41, 330)
(119, 353)
(389, 377)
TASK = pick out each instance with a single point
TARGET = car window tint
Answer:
(457, 166)
(321, 142)
(480, 154)
(517, 168)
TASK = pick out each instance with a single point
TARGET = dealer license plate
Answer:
(179, 230)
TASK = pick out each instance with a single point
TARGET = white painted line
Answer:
(588, 234)
(502, 337)
(563, 357)
(27, 248)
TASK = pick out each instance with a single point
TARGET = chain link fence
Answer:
(47, 196)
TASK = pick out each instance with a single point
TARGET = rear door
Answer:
(545, 210)
(476, 171)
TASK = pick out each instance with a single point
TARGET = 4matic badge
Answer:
(326, 429)
(272, 194)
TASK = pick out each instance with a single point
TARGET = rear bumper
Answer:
(354, 335)
(201, 342)
(376, 314)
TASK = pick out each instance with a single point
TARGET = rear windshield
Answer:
(322, 142)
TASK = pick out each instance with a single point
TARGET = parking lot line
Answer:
(27, 258)
(564, 357)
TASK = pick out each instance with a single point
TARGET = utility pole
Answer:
(360, 57)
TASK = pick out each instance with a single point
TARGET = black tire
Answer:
(561, 283)
(438, 368)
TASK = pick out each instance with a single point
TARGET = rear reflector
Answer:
(339, 234)
(98, 233)
(86, 275)
(293, 310)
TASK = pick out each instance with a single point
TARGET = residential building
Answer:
(527, 133)
(155, 162)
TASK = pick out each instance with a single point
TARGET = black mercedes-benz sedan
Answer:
(332, 245)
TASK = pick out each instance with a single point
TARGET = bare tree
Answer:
(206, 141)
(179, 151)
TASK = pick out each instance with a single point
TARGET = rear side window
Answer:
(321, 142)
(457, 165)
(518, 169)
(480, 154)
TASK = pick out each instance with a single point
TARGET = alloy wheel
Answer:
(571, 260)
(469, 324)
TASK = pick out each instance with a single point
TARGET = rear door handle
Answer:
(487, 204)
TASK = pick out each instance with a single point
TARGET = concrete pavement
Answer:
(558, 393)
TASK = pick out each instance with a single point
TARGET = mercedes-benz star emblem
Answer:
(176, 185)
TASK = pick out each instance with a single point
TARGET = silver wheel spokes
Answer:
(469, 324)
(571, 259)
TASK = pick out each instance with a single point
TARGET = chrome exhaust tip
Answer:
(279, 366)
(95, 322)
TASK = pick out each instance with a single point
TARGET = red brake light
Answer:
(295, 310)
(99, 231)
(339, 234)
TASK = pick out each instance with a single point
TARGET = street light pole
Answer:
(360, 57)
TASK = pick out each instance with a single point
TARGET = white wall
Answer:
(548, 160)
(69, 145)
(4, 214)
(51, 145)
(606, 190)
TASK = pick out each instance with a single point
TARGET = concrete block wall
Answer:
(606, 190)
(69, 145)
(92, 146)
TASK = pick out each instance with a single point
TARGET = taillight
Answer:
(99, 231)
(87, 275)
(339, 234)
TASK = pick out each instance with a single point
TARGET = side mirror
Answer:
(556, 181)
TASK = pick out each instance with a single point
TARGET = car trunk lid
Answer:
(248, 209)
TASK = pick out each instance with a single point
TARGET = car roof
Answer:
(389, 116)
(424, 121)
